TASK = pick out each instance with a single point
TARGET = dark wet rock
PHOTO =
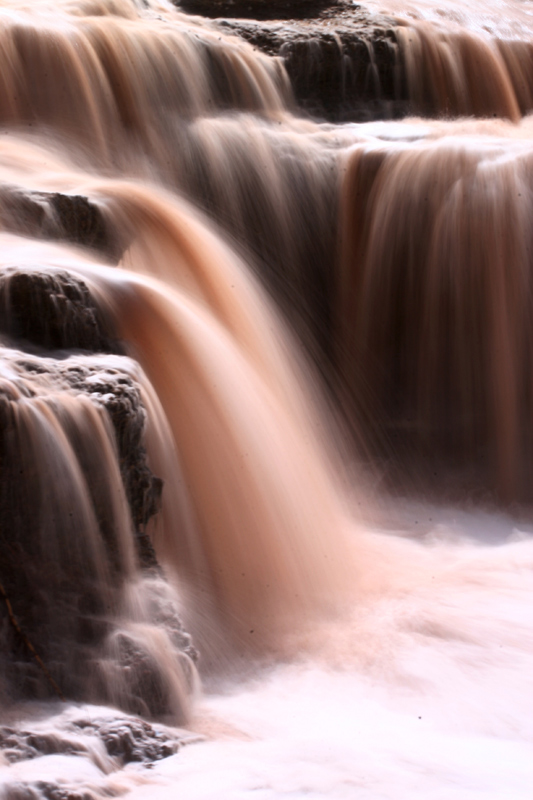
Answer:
(143, 688)
(73, 219)
(144, 691)
(22, 745)
(53, 310)
(125, 738)
(54, 601)
(132, 739)
(110, 742)
(165, 614)
(110, 385)
(72, 460)
(118, 393)
(81, 222)
(256, 9)
(343, 63)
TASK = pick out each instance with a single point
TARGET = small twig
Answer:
(29, 645)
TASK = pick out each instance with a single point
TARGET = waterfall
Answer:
(250, 348)
(435, 296)
(249, 542)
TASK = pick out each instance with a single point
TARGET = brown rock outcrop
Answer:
(343, 62)
(72, 219)
(256, 9)
(52, 309)
(76, 494)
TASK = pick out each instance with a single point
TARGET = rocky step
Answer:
(257, 9)
(343, 62)
(64, 532)
(52, 310)
(73, 219)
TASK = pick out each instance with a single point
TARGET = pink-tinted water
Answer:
(354, 647)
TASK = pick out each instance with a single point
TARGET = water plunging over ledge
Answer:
(264, 401)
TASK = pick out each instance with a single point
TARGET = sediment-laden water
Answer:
(265, 441)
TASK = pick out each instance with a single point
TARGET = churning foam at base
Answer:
(423, 689)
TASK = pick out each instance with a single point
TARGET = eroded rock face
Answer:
(256, 9)
(343, 62)
(342, 66)
(53, 310)
(64, 491)
(73, 219)
(106, 739)
(78, 572)
(127, 739)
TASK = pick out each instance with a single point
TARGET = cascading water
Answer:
(204, 411)
(69, 559)
(436, 300)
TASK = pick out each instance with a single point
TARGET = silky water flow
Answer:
(266, 477)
